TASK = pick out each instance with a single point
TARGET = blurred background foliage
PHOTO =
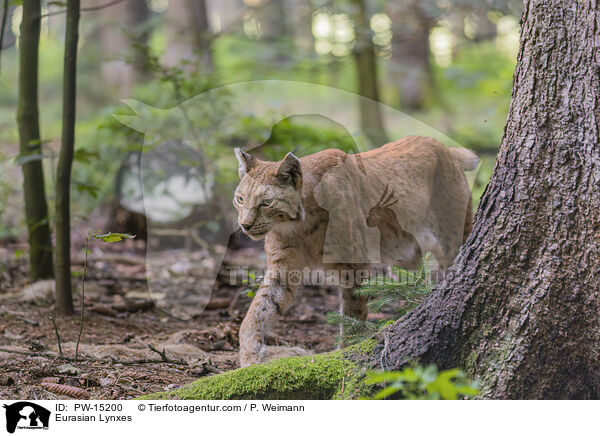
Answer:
(447, 63)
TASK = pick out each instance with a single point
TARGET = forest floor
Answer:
(128, 346)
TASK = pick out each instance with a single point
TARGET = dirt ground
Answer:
(129, 346)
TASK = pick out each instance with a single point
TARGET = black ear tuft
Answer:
(245, 162)
(289, 170)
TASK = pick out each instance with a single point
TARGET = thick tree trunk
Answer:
(36, 209)
(366, 74)
(64, 299)
(520, 309)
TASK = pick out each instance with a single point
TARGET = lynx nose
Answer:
(247, 219)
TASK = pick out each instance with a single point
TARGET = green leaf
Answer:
(418, 383)
(249, 292)
(90, 189)
(386, 392)
(112, 237)
(84, 156)
(383, 377)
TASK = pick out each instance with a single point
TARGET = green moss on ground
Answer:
(324, 376)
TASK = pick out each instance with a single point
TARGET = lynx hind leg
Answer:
(445, 251)
(437, 272)
(448, 246)
(350, 278)
(353, 305)
(430, 242)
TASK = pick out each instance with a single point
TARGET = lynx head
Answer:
(269, 195)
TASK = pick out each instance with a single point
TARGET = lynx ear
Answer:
(246, 162)
(289, 170)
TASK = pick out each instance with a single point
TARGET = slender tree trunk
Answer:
(521, 308)
(366, 73)
(7, 37)
(484, 29)
(273, 20)
(200, 27)
(410, 65)
(137, 16)
(36, 209)
(64, 299)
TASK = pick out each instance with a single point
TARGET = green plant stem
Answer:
(87, 244)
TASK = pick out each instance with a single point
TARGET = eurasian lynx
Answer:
(341, 214)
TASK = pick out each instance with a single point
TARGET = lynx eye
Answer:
(267, 202)
(239, 199)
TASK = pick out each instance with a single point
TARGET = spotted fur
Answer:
(314, 213)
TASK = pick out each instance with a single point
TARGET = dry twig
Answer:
(60, 353)
(163, 353)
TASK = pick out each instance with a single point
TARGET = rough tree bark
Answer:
(36, 208)
(520, 309)
(64, 298)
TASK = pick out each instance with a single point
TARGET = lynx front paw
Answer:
(252, 355)
(265, 354)
(277, 352)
